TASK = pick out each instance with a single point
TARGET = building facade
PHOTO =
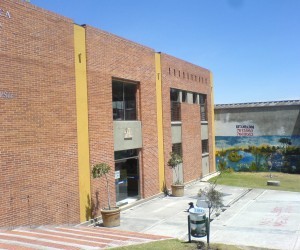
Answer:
(258, 136)
(72, 96)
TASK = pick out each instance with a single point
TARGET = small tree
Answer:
(213, 199)
(173, 163)
(285, 143)
(98, 171)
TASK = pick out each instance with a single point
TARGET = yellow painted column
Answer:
(82, 124)
(161, 163)
(213, 121)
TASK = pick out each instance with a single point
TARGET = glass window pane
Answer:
(203, 107)
(195, 95)
(118, 103)
(175, 111)
(126, 154)
(184, 96)
(130, 101)
(174, 95)
(205, 148)
(177, 148)
(175, 105)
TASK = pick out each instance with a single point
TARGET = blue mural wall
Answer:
(258, 136)
(258, 153)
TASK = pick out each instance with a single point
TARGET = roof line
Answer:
(259, 104)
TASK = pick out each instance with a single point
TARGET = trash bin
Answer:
(198, 222)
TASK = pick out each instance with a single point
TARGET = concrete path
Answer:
(167, 215)
(261, 218)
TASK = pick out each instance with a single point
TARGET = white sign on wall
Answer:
(127, 133)
(117, 174)
(6, 95)
(244, 130)
(4, 14)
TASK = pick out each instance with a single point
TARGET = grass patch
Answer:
(175, 244)
(288, 182)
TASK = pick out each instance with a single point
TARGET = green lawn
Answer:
(288, 182)
(176, 244)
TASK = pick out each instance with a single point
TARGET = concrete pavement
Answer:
(166, 215)
(261, 218)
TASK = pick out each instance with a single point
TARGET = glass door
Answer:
(126, 177)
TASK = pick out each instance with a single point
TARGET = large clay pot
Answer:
(177, 190)
(111, 217)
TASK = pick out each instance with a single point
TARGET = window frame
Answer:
(125, 102)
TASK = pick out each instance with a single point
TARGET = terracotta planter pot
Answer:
(177, 190)
(111, 218)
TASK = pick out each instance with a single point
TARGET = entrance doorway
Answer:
(127, 176)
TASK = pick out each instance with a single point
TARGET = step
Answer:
(71, 238)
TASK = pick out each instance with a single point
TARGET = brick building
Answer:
(72, 96)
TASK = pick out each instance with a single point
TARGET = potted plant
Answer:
(110, 215)
(173, 163)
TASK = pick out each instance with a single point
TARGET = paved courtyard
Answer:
(261, 218)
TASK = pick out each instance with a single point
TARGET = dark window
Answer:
(124, 101)
(203, 107)
(205, 147)
(124, 154)
(184, 96)
(177, 148)
(175, 105)
(174, 95)
(195, 98)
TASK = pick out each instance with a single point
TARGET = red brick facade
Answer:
(109, 57)
(38, 136)
(182, 75)
(191, 141)
(38, 140)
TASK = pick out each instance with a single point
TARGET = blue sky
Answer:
(251, 46)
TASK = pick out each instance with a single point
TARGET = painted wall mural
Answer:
(245, 152)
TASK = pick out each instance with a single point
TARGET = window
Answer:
(177, 148)
(124, 101)
(175, 105)
(195, 97)
(184, 96)
(203, 107)
(205, 147)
